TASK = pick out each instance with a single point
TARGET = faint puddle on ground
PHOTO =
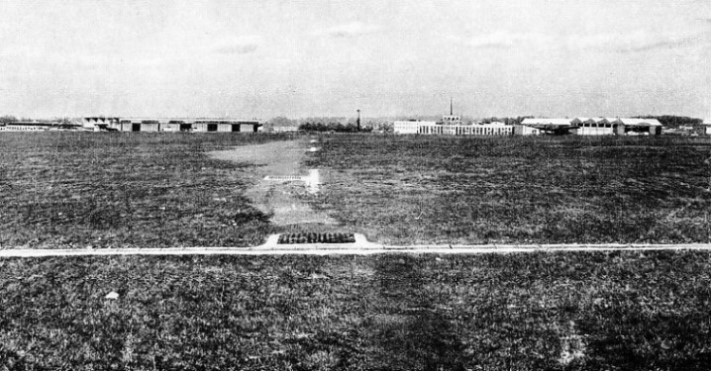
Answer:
(279, 181)
(311, 181)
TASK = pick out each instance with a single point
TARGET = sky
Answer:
(267, 58)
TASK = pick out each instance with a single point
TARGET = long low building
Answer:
(34, 126)
(434, 128)
(170, 125)
(226, 126)
(411, 127)
(593, 126)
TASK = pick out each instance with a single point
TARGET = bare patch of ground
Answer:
(278, 199)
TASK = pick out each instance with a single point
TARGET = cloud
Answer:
(352, 29)
(241, 45)
(632, 42)
(503, 39)
(639, 40)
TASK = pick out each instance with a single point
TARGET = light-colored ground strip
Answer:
(349, 249)
(278, 180)
(311, 181)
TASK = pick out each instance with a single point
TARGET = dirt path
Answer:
(280, 199)
(350, 250)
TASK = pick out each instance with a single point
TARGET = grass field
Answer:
(103, 190)
(562, 311)
(121, 190)
(557, 311)
(430, 189)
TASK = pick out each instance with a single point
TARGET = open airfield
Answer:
(78, 190)
(542, 310)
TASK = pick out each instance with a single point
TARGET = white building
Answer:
(99, 123)
(409, 127)
(595, 126)
(494, 128)
(25, 126)
(707, 124)
(434, 128)
(525, 130)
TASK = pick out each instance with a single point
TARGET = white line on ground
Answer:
(372, 249)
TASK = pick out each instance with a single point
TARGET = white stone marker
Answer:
(113, 295)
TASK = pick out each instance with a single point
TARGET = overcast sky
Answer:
(328, 58)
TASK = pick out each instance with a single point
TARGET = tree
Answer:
(7, 119)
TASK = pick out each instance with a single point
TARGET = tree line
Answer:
(333, 126)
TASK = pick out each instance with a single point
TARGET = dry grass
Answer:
(126, 190)
(561, 311)
(428, 189)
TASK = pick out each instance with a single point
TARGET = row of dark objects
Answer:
(292, 238)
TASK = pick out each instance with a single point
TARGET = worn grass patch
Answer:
(430, 189)
(126, 190)
(561, 311)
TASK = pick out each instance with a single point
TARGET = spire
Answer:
(451, 107)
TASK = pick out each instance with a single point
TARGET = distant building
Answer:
(283, 129)
(595, 126)
(169, 125)
(176, 126)
(226, 126)
(27, 126)
(451, 125)
(435, 128)
(136, 126)
(547, 121)
(490, 129)
(519, 129)
(707, 124)
(538, 126)
(451, 120)
(410, 127)
(592, 126)
(633, 126)
(149, 126)
(99, 123)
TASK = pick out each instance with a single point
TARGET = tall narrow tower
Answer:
(451, 119)
(358, 121)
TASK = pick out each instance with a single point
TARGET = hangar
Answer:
(593, 126)
(205, 126)
(154, 125)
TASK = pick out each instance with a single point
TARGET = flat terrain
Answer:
(74, 190)
(556, 311)
(429, 189)
(281, 201)
(60, 190)
(573, 310)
